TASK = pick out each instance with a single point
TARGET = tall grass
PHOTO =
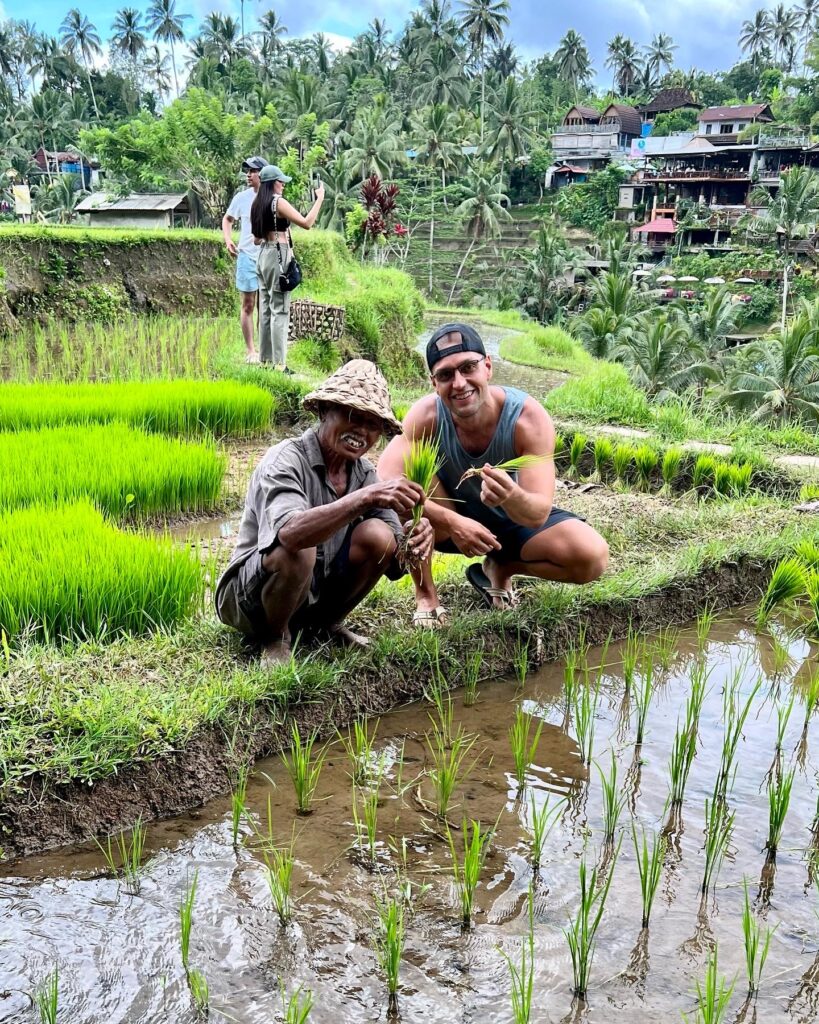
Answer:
(523, 747)
(187, 407)
(68, 574)
(467, 870)
(582, 931)
(123, 471)
(303, 767)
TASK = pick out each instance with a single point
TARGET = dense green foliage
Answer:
(63, 570)
(122, 470)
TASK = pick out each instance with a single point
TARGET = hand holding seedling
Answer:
(496, 486)
(472, 538)
(401, 495)
(420, 539)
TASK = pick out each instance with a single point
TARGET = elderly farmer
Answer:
(319, 529)
(509, 517)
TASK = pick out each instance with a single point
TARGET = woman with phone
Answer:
(270, 217)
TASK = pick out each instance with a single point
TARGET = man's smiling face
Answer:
(462, 382)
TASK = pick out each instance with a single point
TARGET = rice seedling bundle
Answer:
(703, 474)
(787, 583)
(388, 942)
(182, 407)
(582, 930)
(621, 462)
(645, 459)
(122, 470)
(67, 573)
(576, 450)
(741, 476)
(603, 454)
(421, 464)
(713, 996)
(723, 479)
(807, 551)
(303, 767)
(467, 871)
(670, 470)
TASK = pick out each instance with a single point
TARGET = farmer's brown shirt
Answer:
(292, 478)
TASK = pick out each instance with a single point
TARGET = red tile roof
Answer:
(658, 226)
(742, 112)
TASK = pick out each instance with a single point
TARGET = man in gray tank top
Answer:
(508, 517)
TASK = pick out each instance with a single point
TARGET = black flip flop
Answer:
(482, 584)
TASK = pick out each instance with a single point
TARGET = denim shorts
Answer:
(513, 536)
(246, 279)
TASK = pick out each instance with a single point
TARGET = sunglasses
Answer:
(465, 369)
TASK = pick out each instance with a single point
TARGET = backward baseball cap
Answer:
(451, 339)
(254, 163)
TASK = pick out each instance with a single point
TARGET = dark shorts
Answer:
(513, 536)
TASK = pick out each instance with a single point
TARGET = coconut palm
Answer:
(271, 28)
(711, 320)
(80, 36)
(661, 356)
(784, 381)
(168, 27)
(755, 36)
(544, 273)
(481, 212)
(57, 201)
(129, 35)
(45, 118)
(441, 78)
(784, 27)
(660, 54)
(509, 125)
(600, 331)
(374, 143)
(156, 69)
(573, 61)
(322, 52)
(615, 292)
(483, 20)
(503, 60)
(807, 18)
(794, 210)
(625, 60)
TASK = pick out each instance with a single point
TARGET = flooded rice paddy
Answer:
(118, 954)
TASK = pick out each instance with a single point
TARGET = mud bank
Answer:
(39, 819)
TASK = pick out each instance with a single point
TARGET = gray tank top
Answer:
(457, 460)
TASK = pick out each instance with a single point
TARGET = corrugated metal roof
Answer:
(129, 204)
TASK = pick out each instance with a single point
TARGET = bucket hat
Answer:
(360, 385)
(273, 173)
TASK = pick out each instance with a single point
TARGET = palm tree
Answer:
(599, 331)
(711, 320)
(508, 123)
(336, 178)
(573, 61)
(661, 356)
(322, 51)
(794, 210)
(784, 26)
(129, 35)
(58, 200)
(755, 35)
(807, 15)
(80, 36)
(614, 51)
(503, 60)
(784, 382)
(629, 66)
(156, 68)
(543, 278)
(45, 118)
(660, 54)
(374, 143)
(615, 293)
(168, 28)
(441, 78)
(272, 29)
(481, 213)
(484, 20)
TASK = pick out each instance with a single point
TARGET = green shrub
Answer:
(170, 407)
(122, 470)
(67, 574)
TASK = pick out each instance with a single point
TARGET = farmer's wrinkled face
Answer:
(462, 382)
(348, 433)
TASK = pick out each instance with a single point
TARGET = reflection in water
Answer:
(118, 953)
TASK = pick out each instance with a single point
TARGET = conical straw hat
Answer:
(358, 384)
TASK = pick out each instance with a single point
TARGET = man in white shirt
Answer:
(246, 252)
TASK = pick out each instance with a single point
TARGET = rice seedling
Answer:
(421, 464)
(123, 854)
(198, 984)
(522, 977)
(447, 765)
(570, 677)
(543, 821)
(807, 551)
(670, 470)
(642, 697)
(238, 801)
(665, 646)
(585, 709)
(520, 661)
(649, 867)
(613, 800)
(683, 751)
(279, 862)
(812, 593)
(47, 997)
(360, 746)
(467, 872)
(705, 622)
(809, 492)
(719, 826)
(365, 818)
(632, 649)
(723, 479)
(603, 451)
(70, 575)
(756, 940)
(740, 479)
(296, 1007)
(645, 459)
(523, 747)
(510, 466)
(779, 798)
(303, 768)
(187, 407)
(787, 583)
(702, 476)
(582, 930)
(388, 942)
(471, 673)
(560, 444)
(783, 714)
(576, 452)
(713, 995)
(186, 919)
(734, 717)
(811, 700)
(621, 462)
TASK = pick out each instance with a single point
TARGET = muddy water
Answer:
(119, 954)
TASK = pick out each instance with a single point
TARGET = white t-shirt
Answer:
(239, 209)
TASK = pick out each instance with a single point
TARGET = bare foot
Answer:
(340, 634)
(275, 653)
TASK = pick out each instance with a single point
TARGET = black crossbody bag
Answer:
(292, 277)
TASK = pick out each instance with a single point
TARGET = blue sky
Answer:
(705, 30)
